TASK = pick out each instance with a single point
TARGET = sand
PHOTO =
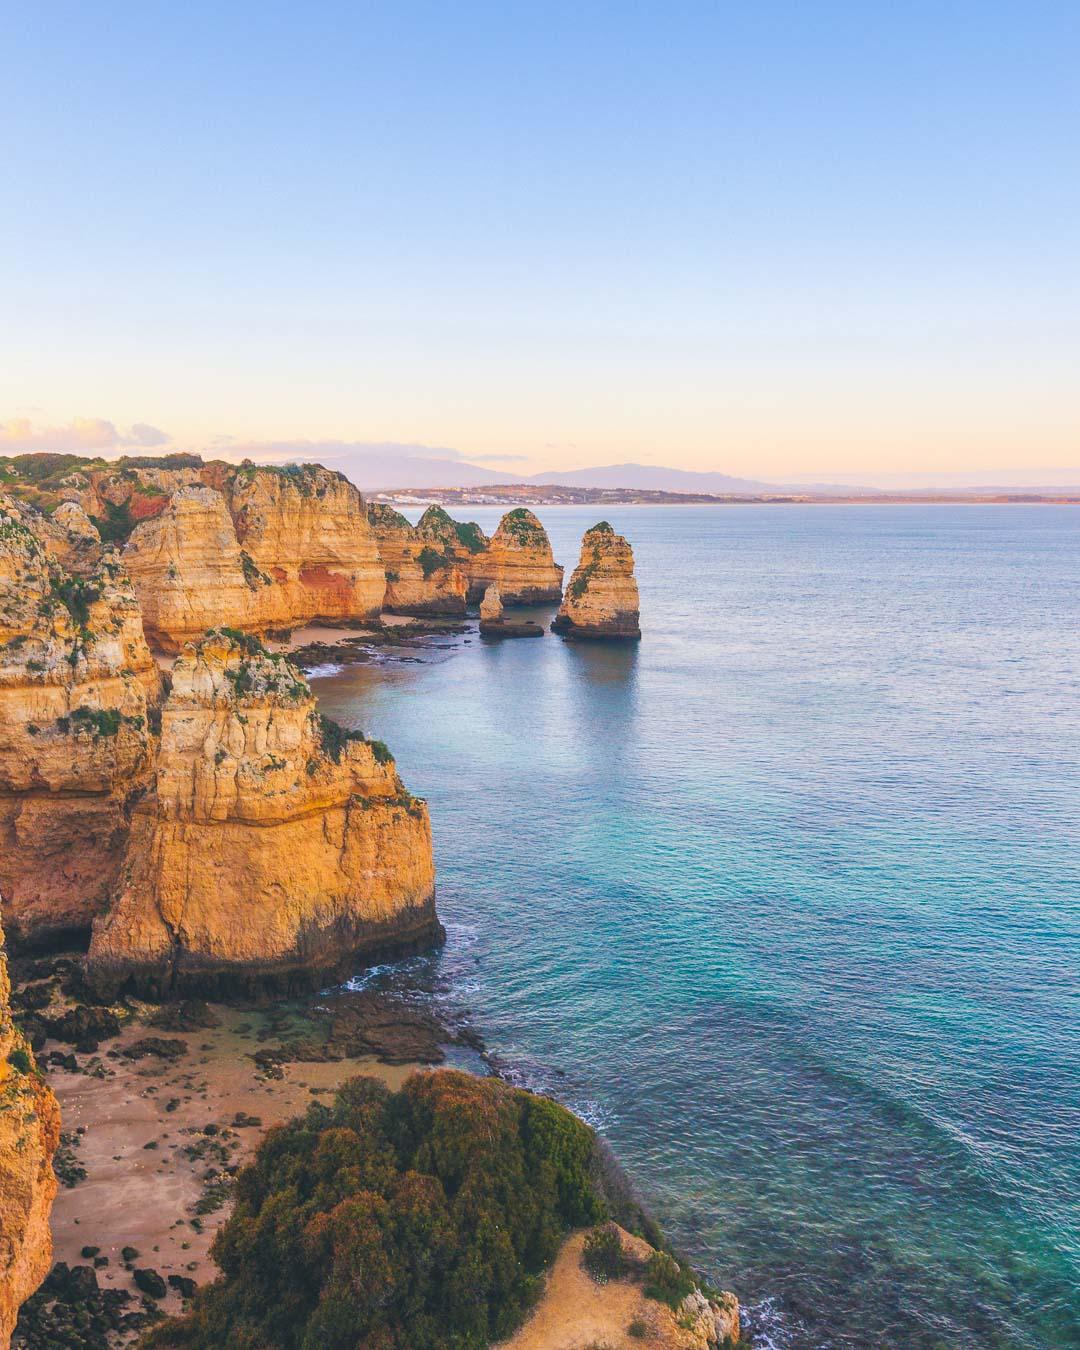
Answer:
(145, 1197)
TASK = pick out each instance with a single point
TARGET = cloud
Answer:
(83, 434)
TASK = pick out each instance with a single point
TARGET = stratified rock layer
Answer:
(275, 846)
(77, 685)
(601, 600)
(420, 577)
(29, 1135)
(519, 561)
(257, 549)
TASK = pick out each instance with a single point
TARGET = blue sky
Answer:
(757, 238)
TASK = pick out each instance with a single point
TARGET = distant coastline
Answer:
(535, 494)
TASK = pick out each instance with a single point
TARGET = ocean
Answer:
(785, 899)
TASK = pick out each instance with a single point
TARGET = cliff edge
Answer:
(275, 846)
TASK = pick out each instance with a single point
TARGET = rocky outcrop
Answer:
(77, 690)
(188, 570)
(29, 1136)
(306, 528)
(439, 564)
(601, 600)
(275, 846)
(579, 1308)
(420, 578)
(518, 559)
(494, 623)
(258, 549)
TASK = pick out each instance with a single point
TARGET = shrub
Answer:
(602, 1254)
(638, 1330)
(335, 737)
(666, 1280)
(431, 560)
(20, 1060)
(419, 1220)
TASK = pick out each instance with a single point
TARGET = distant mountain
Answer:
(372, 471)
(651, 477)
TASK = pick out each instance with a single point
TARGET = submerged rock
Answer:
(275, 847)
(601, 600)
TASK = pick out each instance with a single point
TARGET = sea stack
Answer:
(276, 848)
(601, 600)
(29, 1135)
(494, 624)
(77, 688)
(518, 559)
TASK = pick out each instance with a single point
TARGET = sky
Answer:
(766, 239)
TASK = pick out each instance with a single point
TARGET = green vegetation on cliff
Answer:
(416, 1220)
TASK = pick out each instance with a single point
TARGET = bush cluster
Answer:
(421, 1219)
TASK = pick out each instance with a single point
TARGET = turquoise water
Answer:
(787, 899)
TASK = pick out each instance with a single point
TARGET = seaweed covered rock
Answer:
(275, 846)
(29, 1137)
(77, 689)
(601, 600)
(421, 1220)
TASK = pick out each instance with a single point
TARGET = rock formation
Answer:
(275, 845)
(258, 550)
(519, 561)
(29, 1135)
(494, 624)
(437, 565)
(188, 570)
(601, 600)
(77, 687)
(420, 579)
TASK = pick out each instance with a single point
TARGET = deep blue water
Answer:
(787, 899)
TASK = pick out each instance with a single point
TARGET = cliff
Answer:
(29, 1135)
(601, 600)
(275, 845)
(257, 549)
(77, 686)
(519, 561)
(420, 578)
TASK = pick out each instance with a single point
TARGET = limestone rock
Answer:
(256, 549)
(77, 686)
(188, 570)
(420, 577)
(275, 845)
(491, 607)
(29, 1135)
(307, 528)
(601, 600)
(519, 561)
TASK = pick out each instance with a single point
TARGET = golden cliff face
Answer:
(307, 529)
(77, 684)
(601, 600)
(257, 549)
(188, 570)
(275, 846)
(29, 1135)
(519, 561)
(420, 577)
